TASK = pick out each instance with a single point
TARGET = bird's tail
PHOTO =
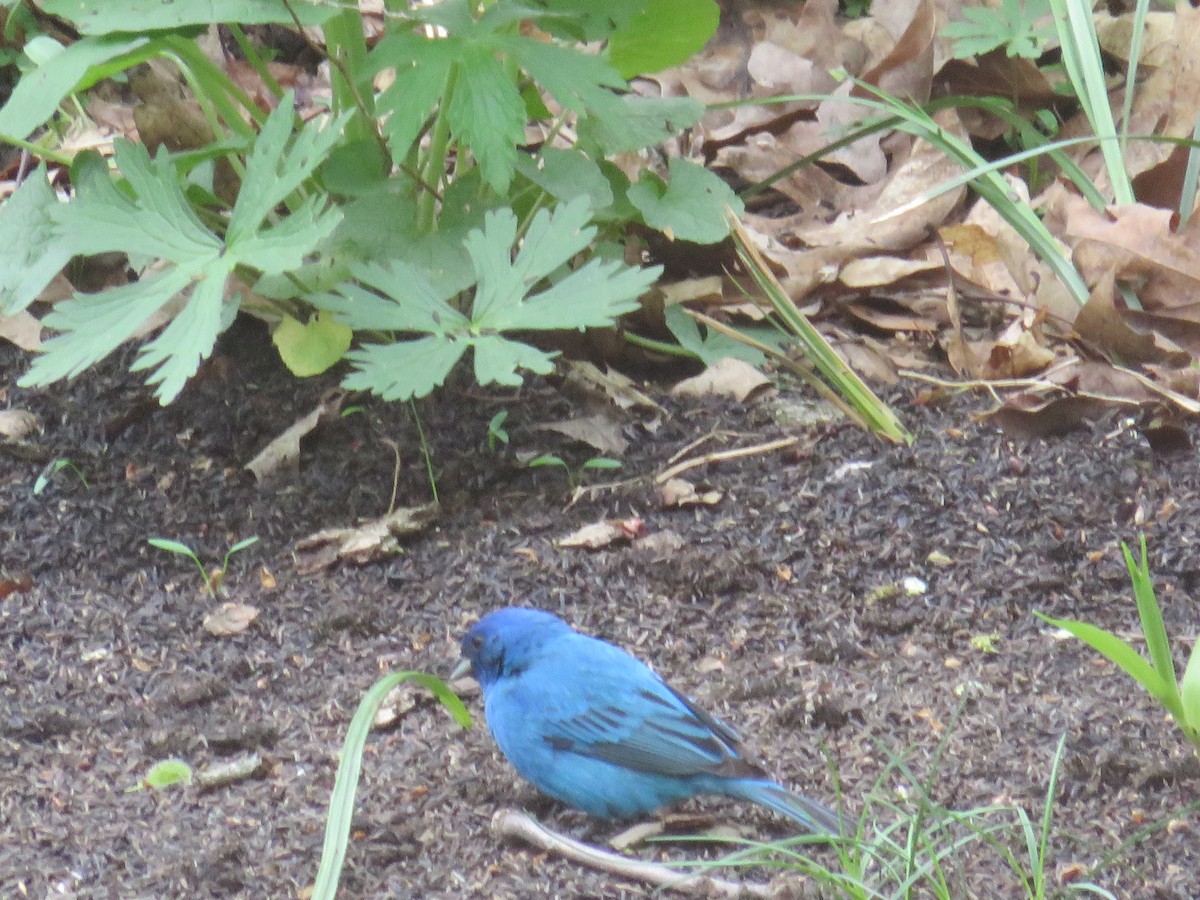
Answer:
(809, 813)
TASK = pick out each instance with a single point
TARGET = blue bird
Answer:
(591, 725)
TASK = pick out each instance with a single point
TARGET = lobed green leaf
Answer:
(32, 255)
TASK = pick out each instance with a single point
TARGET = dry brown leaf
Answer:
(727, 377)
(18, 423)
(980, 258)
(1158, 37)
(1017, 355)
(17, 584)
(710, 288)
(23, 330)
(681, 492)
(889, 314)
(1101, 324)
(374, 539)
(1132, 240)
(874, 360)
(1036, 415)
(601, 534)
(1179, 325)
(283, 453)
(897, 219)
(599, 431)
(229, 619)
(1164, 103)
(1162, 185)
(586, 377)
(907, 71)
(881, 271)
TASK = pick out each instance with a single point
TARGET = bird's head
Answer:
(504, 643)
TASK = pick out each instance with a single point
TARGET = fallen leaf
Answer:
(23, 330)
(18, 423)
(601, 534)
(374, 539)
(681, 492)
(599, 431)
(728, 377)
(229, 619)
(585, 376)
(283, 453)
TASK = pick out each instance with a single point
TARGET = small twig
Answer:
(395, 473)
(722, 455)
(512, 824)
(988, 383)
(703, 439)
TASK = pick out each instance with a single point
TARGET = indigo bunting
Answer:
(591, 725)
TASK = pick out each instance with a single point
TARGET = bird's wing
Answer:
(624, 714)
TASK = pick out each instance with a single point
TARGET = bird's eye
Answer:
(477, 640)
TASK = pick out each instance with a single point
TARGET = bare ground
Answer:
(775, 612)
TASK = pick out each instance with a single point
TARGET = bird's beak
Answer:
(463, 668)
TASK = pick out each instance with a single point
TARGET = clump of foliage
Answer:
(214, 579)
(417, 215)
(1179, 697)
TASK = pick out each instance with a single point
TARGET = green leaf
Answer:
(382, 226)
(168, 772)
(104, 16)
(274, 170)
(586, 20)
(176, 354)
(1013, 25)
(409, 302)
(601, 462)
(1157, 643)
(195, 264)
(665, 33)
(32, 253)
(241, 545)
(356, 169)
(592, 296)
(94, 325)
(497, 360)
(506, 299)
(345, 785)
(38, 93)
(579, 81)
(1189, 690)
(691, 207)
(567, 174)
(422, 69)
(487, 113)
(1121, 654)
(311, 349)
(621, 124)
(404, 369)
(714, 346)
(172, 547)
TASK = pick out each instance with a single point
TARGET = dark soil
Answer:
(775, 613)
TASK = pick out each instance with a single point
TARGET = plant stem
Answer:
(435, 161)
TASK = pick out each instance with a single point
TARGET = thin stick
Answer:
(703, 439)
(722, 455)
(512, 824)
